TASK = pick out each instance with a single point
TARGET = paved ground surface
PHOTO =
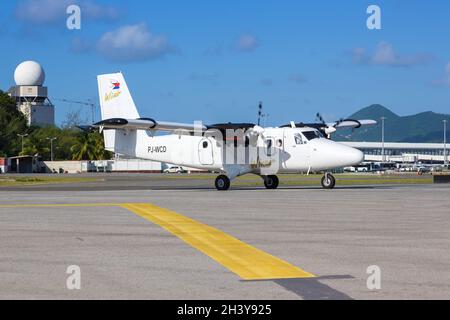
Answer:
(336, 235)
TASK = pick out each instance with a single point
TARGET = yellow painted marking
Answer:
(244, 260)
(60, 205)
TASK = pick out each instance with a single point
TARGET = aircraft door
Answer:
(269, 155)
(205, 152)
(298, 152)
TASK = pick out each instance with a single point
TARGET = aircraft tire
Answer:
(328, 181)
(222, 183)
(271, 182)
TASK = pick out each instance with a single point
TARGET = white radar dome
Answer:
(29, 73)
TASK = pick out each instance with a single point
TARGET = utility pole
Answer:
(51, 147)
(23, 136)
(92, 105)
(383, 159)
(445, 143)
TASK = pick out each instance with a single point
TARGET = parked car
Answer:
(174, 169)
(422, 170)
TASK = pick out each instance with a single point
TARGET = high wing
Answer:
(148, 124)
(329, 128)
(151, 124)
(350, 123)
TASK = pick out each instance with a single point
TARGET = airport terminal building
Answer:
(427, 153)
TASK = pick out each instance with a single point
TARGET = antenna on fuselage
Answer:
(260, 113)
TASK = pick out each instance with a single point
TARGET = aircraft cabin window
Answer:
(205, 144)
(247, 141)
(311, 135)
(279, 143)
(298, 138)
(269, 144)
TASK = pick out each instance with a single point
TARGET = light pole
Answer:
(51, 146)
(445, 143)
(383, 159)
(22, 136)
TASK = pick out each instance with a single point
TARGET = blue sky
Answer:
(214, 61)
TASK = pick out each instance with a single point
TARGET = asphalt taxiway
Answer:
(136, 239)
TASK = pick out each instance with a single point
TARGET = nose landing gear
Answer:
(328, 181)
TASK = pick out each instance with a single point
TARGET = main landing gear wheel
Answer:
(271, 182)
(223, 183)
(328, 181)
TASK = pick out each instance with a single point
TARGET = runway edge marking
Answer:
(246, 261)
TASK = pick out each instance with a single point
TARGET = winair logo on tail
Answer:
(115, 90)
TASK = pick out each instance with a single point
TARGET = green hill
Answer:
(426, 127)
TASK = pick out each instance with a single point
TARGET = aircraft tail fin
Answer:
(116, 102)
(115, 97)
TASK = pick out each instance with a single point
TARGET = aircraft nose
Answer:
(335, 155)
(353, 156)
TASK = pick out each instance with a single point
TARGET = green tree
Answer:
(90, 146)
(12, 123)
(37, 142)
(71, 143)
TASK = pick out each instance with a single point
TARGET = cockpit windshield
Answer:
(311, 135)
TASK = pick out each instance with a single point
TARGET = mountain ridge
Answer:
(424, 127)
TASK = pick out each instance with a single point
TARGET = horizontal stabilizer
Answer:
(88, 129)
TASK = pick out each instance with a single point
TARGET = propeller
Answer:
(326, 129)
(256, 132)
(319, 118)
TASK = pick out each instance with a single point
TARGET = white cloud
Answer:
(94, 11)
(133, 43)
(247, 43)
(386, 55)
(359, 55)
(48, 12)
(42, 11)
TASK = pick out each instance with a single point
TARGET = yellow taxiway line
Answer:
(246, 261)
(80, 205)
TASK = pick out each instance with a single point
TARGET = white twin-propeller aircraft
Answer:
(234, 149)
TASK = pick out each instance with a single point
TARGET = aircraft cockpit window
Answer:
(298, 138)
(311, 135)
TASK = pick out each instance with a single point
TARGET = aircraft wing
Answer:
(147, 124)
(329, 128)
(151, 124)
(350, 123)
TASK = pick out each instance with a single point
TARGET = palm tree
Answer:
(89, 147)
